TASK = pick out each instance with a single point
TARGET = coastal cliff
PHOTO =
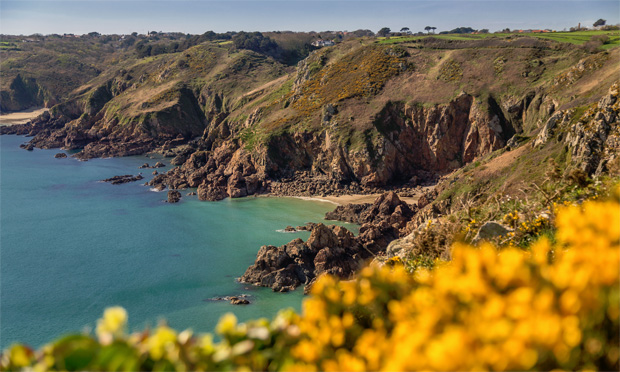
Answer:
(362, 117)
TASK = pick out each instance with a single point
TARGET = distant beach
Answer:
(360, 198)
(21, 117)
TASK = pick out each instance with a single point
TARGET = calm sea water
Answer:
(70, 246)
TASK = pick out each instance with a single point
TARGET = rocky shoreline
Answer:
(332, 249)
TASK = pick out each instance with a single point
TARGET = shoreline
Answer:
(21, 117)
(352, 198)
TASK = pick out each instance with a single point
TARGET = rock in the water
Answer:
(234, 300)
(145, 165)
(117, 180)
(174, 196)
(239, 301)
(307, 227)
(155, 173)
(159, 165)
(191, 193)
(290, 229)
(491, 230)
(60, 155)
(330, 249)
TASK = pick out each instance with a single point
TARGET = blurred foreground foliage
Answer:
(553, 305)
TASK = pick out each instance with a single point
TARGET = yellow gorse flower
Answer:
(112, 325)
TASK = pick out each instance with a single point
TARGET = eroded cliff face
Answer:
(407, 145)
(339, 124)
(595, 139)
(23, 93)
(93, 122)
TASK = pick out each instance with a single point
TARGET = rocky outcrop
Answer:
(546, 133)
(84, 123)
(331, 249)
(227, 171)
(382, 221)
(491, 230)
(595, 139)
(118, 180)
(348, 213)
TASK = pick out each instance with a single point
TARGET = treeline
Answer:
(286, 46)
(148, 47)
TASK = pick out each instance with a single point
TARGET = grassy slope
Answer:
(428, 80)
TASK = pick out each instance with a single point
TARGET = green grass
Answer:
(577, 38)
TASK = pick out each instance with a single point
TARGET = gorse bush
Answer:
(552, 305)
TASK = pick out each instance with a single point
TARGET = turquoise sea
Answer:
(70, 246)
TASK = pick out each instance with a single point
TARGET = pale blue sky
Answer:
(197, 16)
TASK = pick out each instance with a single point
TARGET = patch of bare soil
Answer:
(504, 160)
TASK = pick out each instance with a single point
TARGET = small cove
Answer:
(71, 246)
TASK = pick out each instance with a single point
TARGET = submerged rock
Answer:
(60, 155)
(117, 180)
(234, 300)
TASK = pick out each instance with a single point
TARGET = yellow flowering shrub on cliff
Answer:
(553, 305)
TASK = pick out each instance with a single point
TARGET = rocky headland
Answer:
(332, 249)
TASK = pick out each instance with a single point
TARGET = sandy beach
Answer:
(21, 117)
(360, 199)
(357, 199)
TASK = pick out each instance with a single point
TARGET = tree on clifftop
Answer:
(427, 29)
(385, 31)
(255, 41)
